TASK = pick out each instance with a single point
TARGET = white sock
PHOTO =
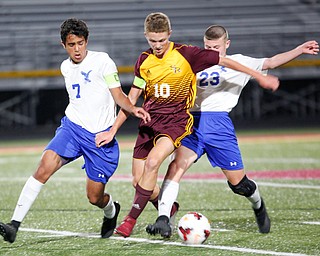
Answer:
(28, 194)
(255, 198)
(168, 195)
(109, 210)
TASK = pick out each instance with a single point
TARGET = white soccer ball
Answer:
(194, 228)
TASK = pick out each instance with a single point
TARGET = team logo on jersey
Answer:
(175, 69)
(223, 69)
(86, 76)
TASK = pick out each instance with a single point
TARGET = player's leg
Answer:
(100, 165)
(147, 183)
(240, 184)
(97, 196)
(183, 159)
(137, 171)
(50, 162)
(128, 223)
(222, 150)
(163, 148)
(229, 159)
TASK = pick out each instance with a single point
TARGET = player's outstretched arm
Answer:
(266, 81)
(309, 47)
(127, 108)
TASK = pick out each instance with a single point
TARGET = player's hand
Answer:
(103, 138)
(141, 113)
(310, 47)
(269, 82)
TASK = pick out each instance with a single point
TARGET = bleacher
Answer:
(29, 34)
(30, 39)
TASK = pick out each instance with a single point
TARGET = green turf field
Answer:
(62, 222)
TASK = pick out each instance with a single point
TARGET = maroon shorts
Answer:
(174, 126)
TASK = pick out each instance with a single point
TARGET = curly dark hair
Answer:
(73, 26)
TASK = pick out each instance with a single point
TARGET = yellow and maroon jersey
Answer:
(170, 83)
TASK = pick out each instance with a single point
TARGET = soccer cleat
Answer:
(8, 231)
(262, 218)
(126, 227)
(161, 226)
(109, 225)
(173, 216)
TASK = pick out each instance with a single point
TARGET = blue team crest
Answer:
(86, 76)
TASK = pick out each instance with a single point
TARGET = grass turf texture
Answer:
(62, 205)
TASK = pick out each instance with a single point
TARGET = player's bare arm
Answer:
(309, 47)
(266, 81)
(105, 137)
(123, 101)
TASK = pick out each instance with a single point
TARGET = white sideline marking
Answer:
(284, 185)
(311, 222)
(144, 240)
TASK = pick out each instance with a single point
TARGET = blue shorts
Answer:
(213, 134)
(72, 141)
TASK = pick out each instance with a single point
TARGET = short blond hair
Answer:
(157, 22)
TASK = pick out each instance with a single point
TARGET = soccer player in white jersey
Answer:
(94, 89)
(218, 91)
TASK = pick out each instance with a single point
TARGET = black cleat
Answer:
(262, 218)
(161, 226)
(109, 225)
(8, 231)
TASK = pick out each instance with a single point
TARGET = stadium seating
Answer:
(29, 34)
(29, 41)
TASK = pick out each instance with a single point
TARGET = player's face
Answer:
(76, 48)
(159, 42)
(221, 45)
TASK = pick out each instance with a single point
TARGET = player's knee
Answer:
(245, 187)
(176, 169)
(180, 164)
(95, 200)
(134, 182)
(152, 164)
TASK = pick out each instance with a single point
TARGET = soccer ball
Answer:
(194, 228)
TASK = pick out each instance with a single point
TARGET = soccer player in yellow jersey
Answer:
(166, 73)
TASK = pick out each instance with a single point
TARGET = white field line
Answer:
(128, 179)
(144, 240)
(311, 222)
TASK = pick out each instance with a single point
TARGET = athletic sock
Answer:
(109, 210)
(255, 198)
(168, 195)
(28, 195)
(155, 202)
(140, 201)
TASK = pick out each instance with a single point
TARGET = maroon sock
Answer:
(155, 202)
(173, 209)
(140, 201)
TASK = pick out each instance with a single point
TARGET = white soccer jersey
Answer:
(91, 104)
(219, 88)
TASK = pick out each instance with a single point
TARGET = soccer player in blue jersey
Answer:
(166, 74)
(218, 91)
(94, 89)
